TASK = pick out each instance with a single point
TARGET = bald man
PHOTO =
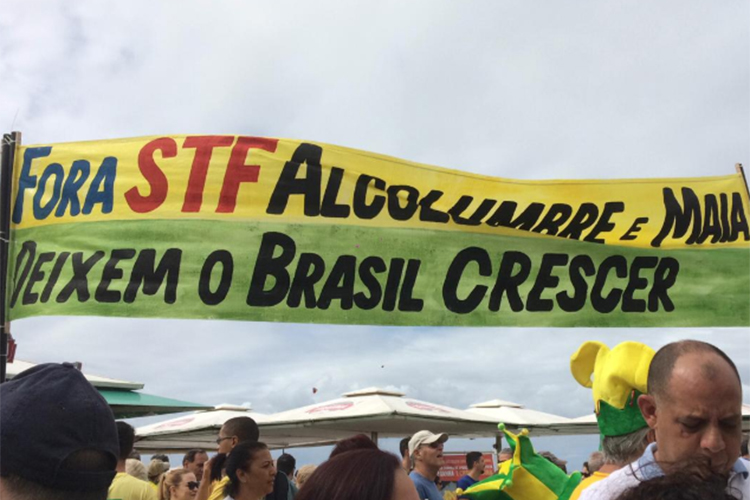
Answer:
(694, 406)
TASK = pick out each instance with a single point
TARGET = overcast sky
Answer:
(515, 89)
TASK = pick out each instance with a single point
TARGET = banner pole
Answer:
(10, 142)
(741, 171)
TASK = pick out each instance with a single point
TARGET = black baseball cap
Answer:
(47, 414)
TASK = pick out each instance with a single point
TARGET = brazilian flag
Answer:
(526, 476)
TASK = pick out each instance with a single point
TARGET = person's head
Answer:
(304, 473)
(352, 443)
(621, 450)
(364, 474)
(156, 468)
(426, 452)
(557, 461)
(178, 484)
(505, 454)
(679, 486)
(694, 405)
(134, 454)
(164, 458)
(194, 460)
(286, 464)
(595, 462)
(250, 469)
(585, 472)
(126, 439)
(237, 430)
(136, 469)
(403, 448)
(58, 434)
(475, 462)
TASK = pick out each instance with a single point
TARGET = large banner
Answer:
(266, 229)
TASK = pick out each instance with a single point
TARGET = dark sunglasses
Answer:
(435, 445)
(193, 485)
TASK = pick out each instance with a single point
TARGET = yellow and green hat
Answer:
(620, 376)
(526, 476)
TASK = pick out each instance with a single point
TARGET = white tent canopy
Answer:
(378, 413)
(200, 429)
(372, 411)
(516, 416)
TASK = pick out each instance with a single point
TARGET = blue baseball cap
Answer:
(50, 413)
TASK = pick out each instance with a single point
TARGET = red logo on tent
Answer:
(175, 423)
(425, 407)
(331, 407)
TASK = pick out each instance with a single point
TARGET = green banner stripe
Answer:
(352, 275)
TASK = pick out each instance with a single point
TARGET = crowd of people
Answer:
(59, 441)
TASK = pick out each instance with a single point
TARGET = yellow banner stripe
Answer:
(270, 180)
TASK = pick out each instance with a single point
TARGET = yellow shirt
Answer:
(593, 478)
(126, 487)
(218, 492)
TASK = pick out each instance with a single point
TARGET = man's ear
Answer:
(647, 405)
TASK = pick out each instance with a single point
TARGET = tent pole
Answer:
(374, 437)
(10, 142)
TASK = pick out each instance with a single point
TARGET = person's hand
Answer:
(204, 490)
(207, 468)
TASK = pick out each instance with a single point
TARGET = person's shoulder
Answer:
(586, 482)
(419, 482)
(150, 493)
(131, 487)
(464, 482)
(126, 479)
(217, 490)
(741, 477)
(610, 486)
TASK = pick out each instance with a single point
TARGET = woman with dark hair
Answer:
(362, 474)
(358, 442)
(251, 472)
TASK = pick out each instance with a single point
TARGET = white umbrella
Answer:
(377, 413)
(516, 416)
(200, 429)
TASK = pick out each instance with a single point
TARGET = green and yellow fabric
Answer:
(619, 376)
(526, 476)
